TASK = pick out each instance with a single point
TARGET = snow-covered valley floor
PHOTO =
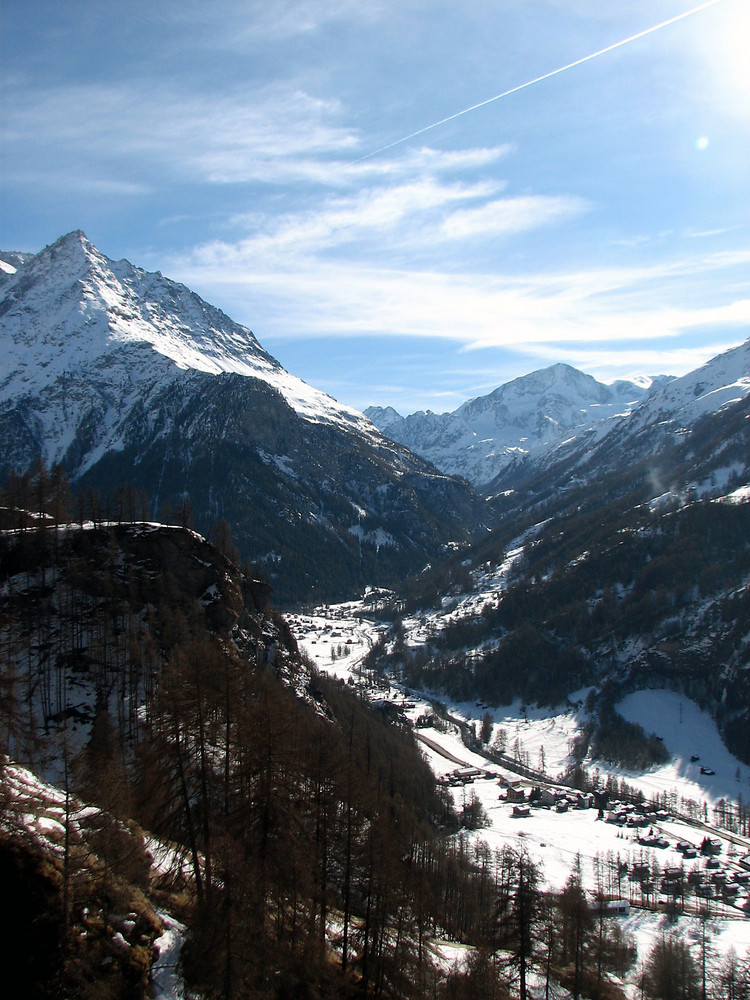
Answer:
(337, 639)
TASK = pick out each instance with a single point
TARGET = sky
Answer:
(307, 166)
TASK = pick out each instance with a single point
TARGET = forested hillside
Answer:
(206, 771)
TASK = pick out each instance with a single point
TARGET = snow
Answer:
(48, 826)
(165, 973)
(722, 381)
(319, 635)
(740, 495)
(379, 537)
(283, 463)
(663, 501)
(686, 731)
(449, 956)
(32, 803)
(530, 416)
(546, 413)
(167, 859)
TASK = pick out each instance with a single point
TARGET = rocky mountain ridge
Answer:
(71, 300)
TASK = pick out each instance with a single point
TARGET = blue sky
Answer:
(600, 216)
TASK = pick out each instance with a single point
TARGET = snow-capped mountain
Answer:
(70, 309)
(517, 425)
(126, 377)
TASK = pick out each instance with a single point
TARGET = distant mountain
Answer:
(126, 377)
(515, 427)
(687, 437)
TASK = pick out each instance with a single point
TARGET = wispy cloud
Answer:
(617, 360)
(273, 134)
(84, 181)
(242, 25)
(586, 312)
(381, 216)
(511, 215)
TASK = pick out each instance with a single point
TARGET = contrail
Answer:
(538, 79)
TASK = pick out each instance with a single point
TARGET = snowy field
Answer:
(687, 732)
(542, 739)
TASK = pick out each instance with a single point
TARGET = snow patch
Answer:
(379, 537)
(740, 495)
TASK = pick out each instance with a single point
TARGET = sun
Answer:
(728, 51)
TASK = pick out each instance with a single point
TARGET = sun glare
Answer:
(729, 54)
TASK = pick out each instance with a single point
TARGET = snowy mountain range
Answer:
(517, 424)
(126, 377)
(534, 420)
(687, 438)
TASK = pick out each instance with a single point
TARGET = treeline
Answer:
(42, 496)
(299, 828)
(625, 743)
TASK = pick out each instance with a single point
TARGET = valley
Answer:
(614, 859)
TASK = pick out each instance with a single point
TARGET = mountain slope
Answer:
(516, 426)
(126, 377)
(146, 670)
(73, 300)
(623, 565)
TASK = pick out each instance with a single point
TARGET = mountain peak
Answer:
(75, 238)
(382, 416)
(521, 421)
(69, 308)
(70, 255)
(74, 245)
